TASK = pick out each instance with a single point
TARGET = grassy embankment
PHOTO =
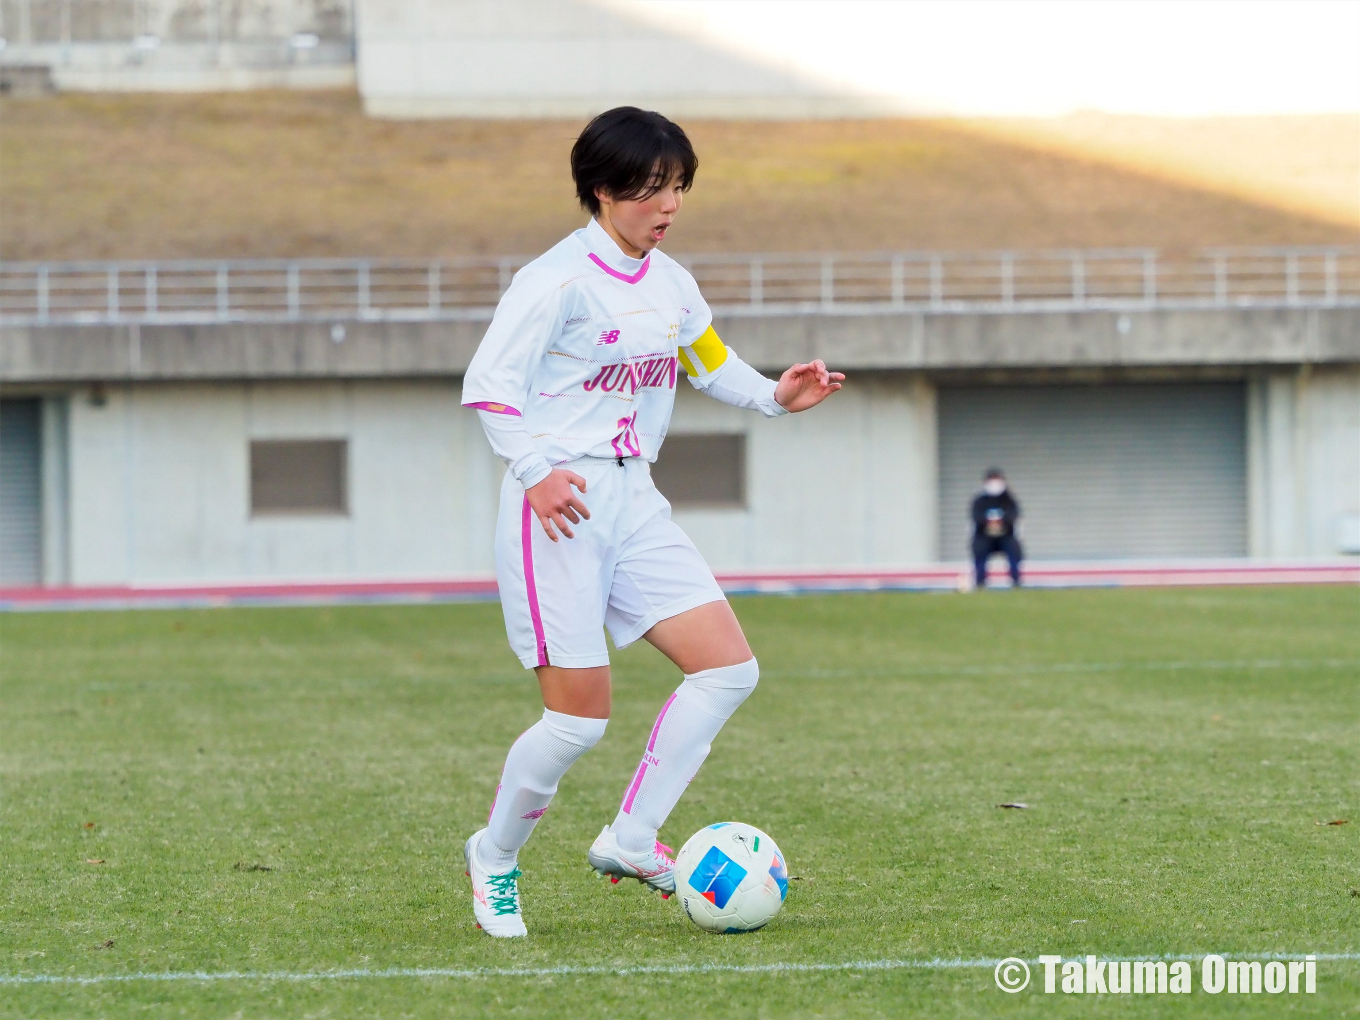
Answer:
(293, 174)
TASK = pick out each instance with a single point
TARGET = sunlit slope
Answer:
(1304, 164)
(282, 174)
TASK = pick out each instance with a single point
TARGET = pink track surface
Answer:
(939, 577)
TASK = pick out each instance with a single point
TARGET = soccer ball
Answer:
(731, 878)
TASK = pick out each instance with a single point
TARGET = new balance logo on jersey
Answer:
(609, 336)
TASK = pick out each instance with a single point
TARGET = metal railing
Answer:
(405, 290)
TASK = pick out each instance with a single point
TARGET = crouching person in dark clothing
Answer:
(995, 513)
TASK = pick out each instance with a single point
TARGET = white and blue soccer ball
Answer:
(731, 878)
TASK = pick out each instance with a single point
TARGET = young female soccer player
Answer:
(574, 384)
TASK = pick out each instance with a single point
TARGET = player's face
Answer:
(640, 224)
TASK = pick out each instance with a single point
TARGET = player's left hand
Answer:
(804, 386)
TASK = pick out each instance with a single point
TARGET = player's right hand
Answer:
(553, 502)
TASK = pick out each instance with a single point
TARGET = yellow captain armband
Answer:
(705, 355)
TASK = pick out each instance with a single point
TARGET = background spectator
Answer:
(995, 513)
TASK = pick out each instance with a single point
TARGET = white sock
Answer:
(679, 743)
(535, 764)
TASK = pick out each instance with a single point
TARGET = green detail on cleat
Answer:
(503, 890)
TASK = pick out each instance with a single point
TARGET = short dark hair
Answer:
(994, 473)
(630, 153)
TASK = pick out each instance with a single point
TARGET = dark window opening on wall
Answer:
(298, 476)
(702, 470)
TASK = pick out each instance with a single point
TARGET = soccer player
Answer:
(574, 384)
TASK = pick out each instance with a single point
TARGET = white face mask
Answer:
(994, 486)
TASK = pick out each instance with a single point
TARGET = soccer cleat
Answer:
(495, 898)
(653, 868)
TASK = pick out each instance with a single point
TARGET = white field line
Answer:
(570, 970)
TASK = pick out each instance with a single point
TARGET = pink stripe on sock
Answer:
(656, 726)
(622, 276)
(633, 789)
(526, 540)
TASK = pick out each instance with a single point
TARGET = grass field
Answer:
(306, 173)
(288, 790)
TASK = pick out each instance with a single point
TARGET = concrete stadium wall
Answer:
(159, 483)
(181, 45)
(158, 487)
(559, 58)
(27, 22)
(881, 341)
(148, 483)
(146, 431)
(1303, 462)
(199, 67)
(851, 485)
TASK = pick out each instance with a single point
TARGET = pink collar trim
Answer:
(622, 276)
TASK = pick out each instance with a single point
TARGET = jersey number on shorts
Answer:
(628, 438)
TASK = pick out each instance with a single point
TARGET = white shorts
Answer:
(629, 567)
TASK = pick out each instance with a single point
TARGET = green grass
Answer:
(1176, 749)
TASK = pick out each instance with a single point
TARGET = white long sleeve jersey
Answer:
(585, 348)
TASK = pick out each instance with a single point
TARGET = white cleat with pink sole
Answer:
(653, 868)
